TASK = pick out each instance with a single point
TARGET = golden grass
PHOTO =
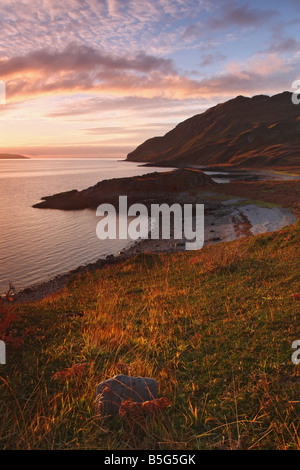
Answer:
(213, 327)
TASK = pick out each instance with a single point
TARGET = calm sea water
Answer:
(36, 244)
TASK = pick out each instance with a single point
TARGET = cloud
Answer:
(82, 69)
(115, 130)
(284, 45)
(74, 109)
(72, 151)
(209, 59)
(79, 58)
(241, 16)
(231, 15)
(117, 26)
(260, 65)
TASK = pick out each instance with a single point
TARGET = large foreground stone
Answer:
(112, 392)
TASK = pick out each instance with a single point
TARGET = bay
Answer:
(39, 244)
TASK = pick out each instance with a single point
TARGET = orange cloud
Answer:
(84, 69)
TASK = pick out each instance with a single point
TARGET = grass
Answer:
(275, 193)
(214, 327)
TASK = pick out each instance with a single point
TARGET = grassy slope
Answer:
(214, 327)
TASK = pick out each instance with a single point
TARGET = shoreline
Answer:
(272, 173)
(39, 291)
(225, 221)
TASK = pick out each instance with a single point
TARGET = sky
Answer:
(96, 78)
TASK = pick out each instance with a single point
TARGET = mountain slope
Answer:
(249, 132)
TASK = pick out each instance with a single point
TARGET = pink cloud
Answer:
(84, 69)
(262, 65)
(77, 58)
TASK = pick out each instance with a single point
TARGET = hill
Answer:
(255, 132)
(10, 156)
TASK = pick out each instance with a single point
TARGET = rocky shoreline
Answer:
(225, 220)
(151, 186)
(41, 290)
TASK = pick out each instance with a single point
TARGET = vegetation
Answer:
(214, 327)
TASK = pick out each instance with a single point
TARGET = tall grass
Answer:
(214, 327)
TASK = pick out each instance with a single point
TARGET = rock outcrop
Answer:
(137, 188)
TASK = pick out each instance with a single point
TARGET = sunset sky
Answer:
(95, 78)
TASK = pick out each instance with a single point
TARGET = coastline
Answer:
(41, 290)
(225, 221)
(230, 213)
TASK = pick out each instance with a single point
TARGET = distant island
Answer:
(11, 156)
(256, 132)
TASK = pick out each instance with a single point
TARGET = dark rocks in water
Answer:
(112, 392)
(137, 188)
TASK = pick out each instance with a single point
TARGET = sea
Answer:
(38, 244)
